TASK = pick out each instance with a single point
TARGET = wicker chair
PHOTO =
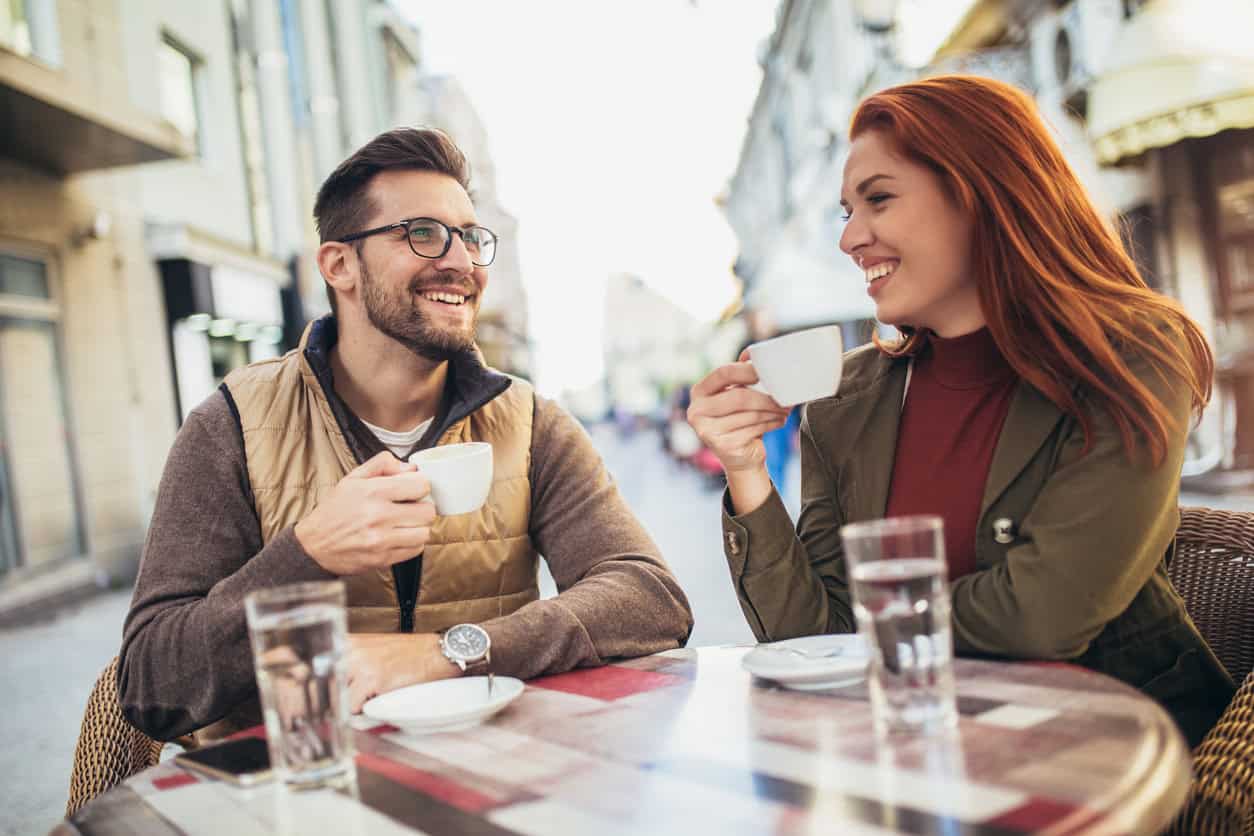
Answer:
(1213, 569)
(109, 749)
(1221, 800)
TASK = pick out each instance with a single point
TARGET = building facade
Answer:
(650, 345)
(86, 406)
(783, 202)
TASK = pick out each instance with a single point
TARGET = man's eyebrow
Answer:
(443, 221)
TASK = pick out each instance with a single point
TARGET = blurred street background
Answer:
(664, 176)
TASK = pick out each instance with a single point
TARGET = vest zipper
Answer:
(408, 580)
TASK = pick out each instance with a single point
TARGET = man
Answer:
(294, 471)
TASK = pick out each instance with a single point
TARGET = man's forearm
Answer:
(618, 598)
(186, 660)
(626, 606)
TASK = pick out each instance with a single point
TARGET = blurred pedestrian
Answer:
(780, 445)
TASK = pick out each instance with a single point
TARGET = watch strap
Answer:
(480, 666)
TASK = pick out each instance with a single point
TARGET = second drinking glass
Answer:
(897, 575)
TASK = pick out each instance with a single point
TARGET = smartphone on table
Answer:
(244, 762)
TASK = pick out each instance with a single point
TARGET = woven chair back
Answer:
(109, 749)
(1213, 570)
(1221, 798)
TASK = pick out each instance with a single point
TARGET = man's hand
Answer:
(382, 662)
(377, 515)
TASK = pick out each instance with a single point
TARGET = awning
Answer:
(1178, 69)
(48, 122)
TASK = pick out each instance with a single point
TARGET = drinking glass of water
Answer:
(299, 653)
(901, 600)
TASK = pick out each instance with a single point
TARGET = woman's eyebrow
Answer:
(866, 184)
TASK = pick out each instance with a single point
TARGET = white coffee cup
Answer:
(798, 367)
(460, 475)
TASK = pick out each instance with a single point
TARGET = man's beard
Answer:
(403, 321)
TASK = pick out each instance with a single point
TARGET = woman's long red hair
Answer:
(1062, 298)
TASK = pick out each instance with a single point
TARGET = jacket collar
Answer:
(1029, 422)
(471, 384)
(870, 401)
(870, 396)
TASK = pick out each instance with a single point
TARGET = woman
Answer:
(1038, 399)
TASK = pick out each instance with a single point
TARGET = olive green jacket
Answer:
(1071, 548)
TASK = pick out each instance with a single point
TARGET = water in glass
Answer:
(902, 606)
(301, 672)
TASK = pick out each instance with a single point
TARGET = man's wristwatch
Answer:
(466, 644)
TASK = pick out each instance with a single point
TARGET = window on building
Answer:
(1139, 232)
(226, 354)
(178, 71)
(340, 73)
(1230, 179)
(293, 25)
(39, 506)
(15, 26)
(401, 70)
(23, 277)
(252, 148)
(1238, 250)
(783, 142)
(29, 27)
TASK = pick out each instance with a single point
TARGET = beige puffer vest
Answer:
(476, 566)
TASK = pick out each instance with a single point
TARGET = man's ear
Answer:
(338, 264)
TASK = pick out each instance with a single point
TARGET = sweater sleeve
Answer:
(185, 660)
(616, 596)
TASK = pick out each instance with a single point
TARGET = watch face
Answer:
(466, 642)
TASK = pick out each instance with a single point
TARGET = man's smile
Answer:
(445, 298)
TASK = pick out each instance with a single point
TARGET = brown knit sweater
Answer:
(185, 659)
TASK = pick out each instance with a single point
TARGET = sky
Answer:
(614, 126)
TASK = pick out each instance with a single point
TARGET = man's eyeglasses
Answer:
(429, 238)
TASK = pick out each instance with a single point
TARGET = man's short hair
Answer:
(344, 205)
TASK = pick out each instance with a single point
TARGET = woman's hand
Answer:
(730, 419)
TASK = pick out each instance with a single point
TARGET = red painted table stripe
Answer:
(255, 731)
(171, 782)
(607, 683)
(1037, 813)
(428, 783)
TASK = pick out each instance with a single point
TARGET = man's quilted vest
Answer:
(476, 566)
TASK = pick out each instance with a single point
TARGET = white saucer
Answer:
(446, 705)
(816, 672)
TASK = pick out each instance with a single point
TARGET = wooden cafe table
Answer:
(687, 742)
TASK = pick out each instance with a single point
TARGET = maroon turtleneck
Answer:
(959, 395)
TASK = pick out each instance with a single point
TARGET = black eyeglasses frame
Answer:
(448, 240)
